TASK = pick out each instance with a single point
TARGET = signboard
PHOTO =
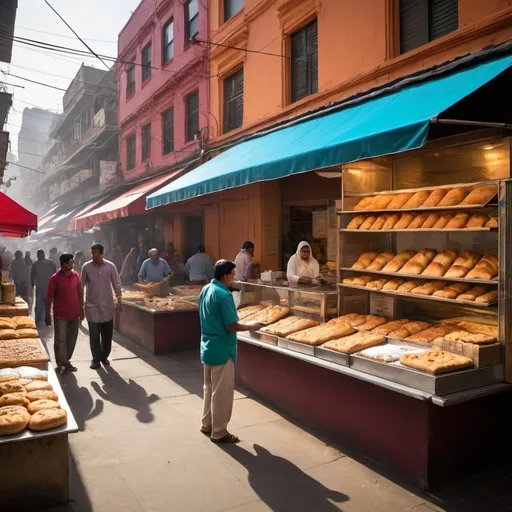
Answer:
(382, 305)
(109, 175)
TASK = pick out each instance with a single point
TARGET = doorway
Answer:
(193, 234)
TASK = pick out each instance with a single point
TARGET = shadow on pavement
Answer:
(125, 394)
(281, 485)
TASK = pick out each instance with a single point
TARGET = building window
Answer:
(146, 62)
(304, 62)
(168, 134)
(234, 101)
(146, 142)
(168, 41)
(422, 21)
(192, 107)
(130, 81)
(130, 152)
(192, 19)
(232, 7)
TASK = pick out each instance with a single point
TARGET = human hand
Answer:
(304, 280)
(82, 314)
(119, 307)
(48, 320)
(254, 326)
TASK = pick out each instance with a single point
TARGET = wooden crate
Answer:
(481, 355)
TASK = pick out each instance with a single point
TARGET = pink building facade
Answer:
(163, 85)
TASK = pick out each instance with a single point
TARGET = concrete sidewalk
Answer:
(140, 449)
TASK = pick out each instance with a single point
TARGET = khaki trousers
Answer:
(219, 389)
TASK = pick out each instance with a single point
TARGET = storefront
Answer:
(442, 133)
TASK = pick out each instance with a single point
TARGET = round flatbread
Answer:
(8, 378)
(37, 385)
(24, 382)
(13, 420)
(13, 399)
(27, 333)
(42, 394)
(47, 419)
(39, 405)
(23, 322)
(13, 386)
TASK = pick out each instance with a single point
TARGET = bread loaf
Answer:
(393, 284)
(486, 268)
(363, 203)
(348, 280)
(39, 405)
(463, 264)
(376, 284)
(428, 288)
(388, 327)
(443, 221)
(479, 220)
(372, 321)
(430, 221)
(487, 297)
(434, 198)
(419, 262)
(382, 201)
(379, 223)
(361, 281)
(430, 334)
(392, 219)
(441, 263)
(399, 200)
(407, 287)
(381, 261)
(492, 223)
(352, 319)
(458, 222)
(356, 222)
(481, 194)
(364, 260)
(452, 291)
(404, 221)
(472, 294)
(398, 261)
(408, 329)
(47, 419)
(416, 200)
(367, 224)
(454, 197)
(418, 221)
(13, 420)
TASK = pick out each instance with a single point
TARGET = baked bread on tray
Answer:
(354, 342)
(435, 361)
(322, 333)
(289, 325)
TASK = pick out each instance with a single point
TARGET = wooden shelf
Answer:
(427, 230)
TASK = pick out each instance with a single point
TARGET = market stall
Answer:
(161, 324)
(15, 221)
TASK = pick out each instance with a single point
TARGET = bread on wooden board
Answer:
(454, 197)
(399, 200)
(399, 261)
(481, 194)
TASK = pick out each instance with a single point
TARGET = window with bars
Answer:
(304, 62)
(168, 42)
(232, 7)
(130, 152)
(146, 142)
(191, 19)
(130, 81)
(146, 62)
(192, 112)
(234, 101)
(168, 131)
(422, 21)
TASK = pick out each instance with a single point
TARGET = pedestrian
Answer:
(28, 259)
(154, 269)
(128, 268)
(99, 277)
(116, 256)
(219, 325)
(66, 294)
(6, 258)
(245, 262)
(79, 260)
(54, 255)
(20, 275)
(199, 268)
(40, 275)
(175, 264)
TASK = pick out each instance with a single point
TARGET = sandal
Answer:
(229, 438)
(205, 432)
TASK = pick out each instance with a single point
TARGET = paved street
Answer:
(139, 449)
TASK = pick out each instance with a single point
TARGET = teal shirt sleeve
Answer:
(228, 310)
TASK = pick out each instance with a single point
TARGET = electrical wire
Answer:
(33, 81)
(63, 36)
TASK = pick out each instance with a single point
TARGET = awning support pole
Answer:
(483, 124)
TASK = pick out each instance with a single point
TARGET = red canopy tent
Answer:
(15, 221)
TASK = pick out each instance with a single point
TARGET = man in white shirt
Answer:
(199, 268)
(245, 262)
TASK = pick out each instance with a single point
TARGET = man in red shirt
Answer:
(66, 293)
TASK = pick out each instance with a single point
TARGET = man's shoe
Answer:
(71, 368)
(95, 365)
(61, 370)
(106, 362)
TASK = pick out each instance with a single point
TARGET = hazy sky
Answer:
(97, 21)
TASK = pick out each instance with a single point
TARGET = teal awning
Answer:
(386, 124)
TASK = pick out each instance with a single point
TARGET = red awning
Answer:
(131, 202)
(15, 221)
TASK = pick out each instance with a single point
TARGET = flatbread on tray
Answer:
(289, 325)
(22, 352)
(322, 333)
(267, 316)
(354, 342)
(435, 361)
(249, 310)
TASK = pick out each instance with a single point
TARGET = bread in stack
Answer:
(441, 263)
(367, 224)
(379, 223)
(356, 222)
(443, 221)
(486, 268)
(434, 198)
(454, 197)
(24, 322)
(430, 221)
(404, 221)
(392, 219)
(418, 221)
(42, 394)
(364, 260)
(452, 291)
(38, 384)
(380, 261)
(463, 264)
(399, 200)
(479, 220)
(419, 262)
(428, 288)
(13, 386)
(458, 221)
(399, 261)
(14, 399)
(472, 294)
(7, 323)
(8, 334)
(481, 194)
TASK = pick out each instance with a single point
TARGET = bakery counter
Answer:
(159, 331)
(418, 435)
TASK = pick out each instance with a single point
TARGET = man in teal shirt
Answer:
(219, 325)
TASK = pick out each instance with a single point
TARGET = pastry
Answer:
(399, 200)
(430, 334)
(268, 315)
(452, 291)
(428, 288)
(454, 197)
(391, 221)
(38, 384)
(486, 268)
(27, 333)
(407, 287)
(21, 352)
(379, 223)
(8, 334)
(472, 294)
(435, 361)
(322, 333)
(249, 310)
(404, 221)
(7, 323)
(434, 198)
(356, 222)
(14, 399)
(361, 281)
(441, 263)
(481, 194)
(28, 372)
(458, 221)
(417, 200)
(393, 284)
(372, 321)
(382, 201)
(12, 387)
(354, 342)
(353, 319)
(13, 420)
(8, 375)
(380, 261)
(487, 297)
(23, 322)
(419, 262)
(467, 337)
(477, 221)
(39, 405)
(418, 221)
(492, 223)
(376, 284)
(348, 280)
(367, 224)
(41, 394)
(477, 328)
(430, 221)
(388, 353)
(289, 325)
(463, 264)
(388, 327)
(47, 419)
(443, 221)
(363, 203)
(24, 382)
(398, 261)
(364, 260)
(408, 329)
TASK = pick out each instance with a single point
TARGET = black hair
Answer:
(65, 257)
(18, 255)
(248, 245)
(40, 254)
(53, 249)
(223, 268)
(200, 248)
(99, 247)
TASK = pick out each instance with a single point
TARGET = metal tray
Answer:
(466, 207)
(420, 230)
(302, 348)
(443, 384)
(332, 356)
(264, 337)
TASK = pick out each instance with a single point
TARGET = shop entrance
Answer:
(194, 234)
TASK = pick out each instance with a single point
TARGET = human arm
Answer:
(116, 285)
(292, 273)
(80, 290)
(167, 269)
(231, 320)
(49, 298)
(32, 275)
(142, 271)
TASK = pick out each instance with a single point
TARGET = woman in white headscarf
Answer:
(302, 267)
